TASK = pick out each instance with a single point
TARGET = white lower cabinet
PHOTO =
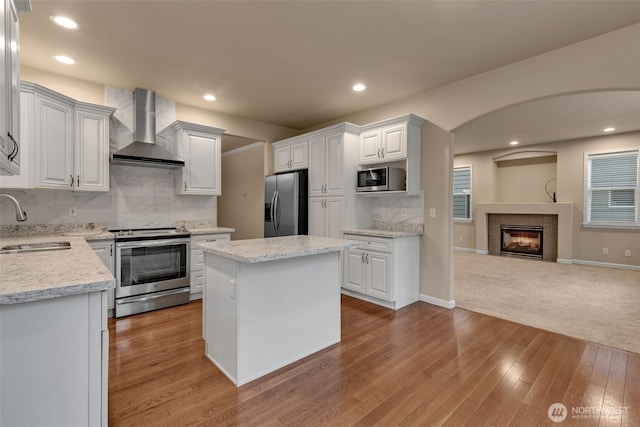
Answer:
(105, 250)
(197, 260)
(54, 356)
(386, 272)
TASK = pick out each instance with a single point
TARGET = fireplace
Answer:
(521, 240)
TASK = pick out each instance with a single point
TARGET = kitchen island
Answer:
(270, 302)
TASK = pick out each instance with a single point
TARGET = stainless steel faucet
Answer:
(20, 214)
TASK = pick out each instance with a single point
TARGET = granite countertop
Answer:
(42, 275)
(275, 248)
(380, 233)
(209, 230)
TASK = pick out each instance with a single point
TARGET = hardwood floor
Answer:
(421, 365)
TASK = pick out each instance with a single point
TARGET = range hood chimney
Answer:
(144, 151)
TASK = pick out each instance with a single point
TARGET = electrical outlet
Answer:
(432, 212)
(404, 212)
(460, 239)
(605, 251)
(193, 213)
(232, 289)
(627, 252)
(73, 211)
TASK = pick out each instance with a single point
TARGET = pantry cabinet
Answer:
(385, 272)
(290, 155)
(200, 148)
(70, 141)
(326, 165)
(326, 216)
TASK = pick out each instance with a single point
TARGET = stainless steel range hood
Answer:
(144, 151)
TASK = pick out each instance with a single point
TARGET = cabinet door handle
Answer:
(363, 257)
(15, 150)
(78, 181)
(382, 151)
(366, 258)
(110, 250)
(185, 186)
(71, 185)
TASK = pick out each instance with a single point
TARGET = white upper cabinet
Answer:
(9, 90)
(290, 155)
(396, 143)
(199, 147)
(70, 141)
(389, 140)
(91, 148)
(53, 127)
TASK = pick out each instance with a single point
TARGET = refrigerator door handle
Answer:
(276, 222)
(273, 209)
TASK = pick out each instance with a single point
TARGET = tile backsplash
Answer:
(399, 213)
(137, 194)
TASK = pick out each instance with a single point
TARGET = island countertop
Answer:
(275, 248)
(34, 276)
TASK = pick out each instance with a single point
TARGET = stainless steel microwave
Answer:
(382, 179)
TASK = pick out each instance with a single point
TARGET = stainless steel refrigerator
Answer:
(285, 204)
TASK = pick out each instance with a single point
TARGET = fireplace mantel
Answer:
(565, 223)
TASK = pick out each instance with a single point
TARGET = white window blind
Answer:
(462, 192)
(612, 188)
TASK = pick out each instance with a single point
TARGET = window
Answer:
(612, 188)
(462, 192)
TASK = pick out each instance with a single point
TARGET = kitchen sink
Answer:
(34, 247)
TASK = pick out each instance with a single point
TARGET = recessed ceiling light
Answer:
(64, 59)
(514, 143)
(209, 97)
(608, 129)
(359, 87)
(65, 22)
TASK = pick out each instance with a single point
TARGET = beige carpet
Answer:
(596, 304)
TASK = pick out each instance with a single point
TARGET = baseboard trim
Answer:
(564, 261)
(607, 264)
(437, 301)
(455, 248)
(482, 252)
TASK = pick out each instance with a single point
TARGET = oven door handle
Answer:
(151, 297)
(145, 243)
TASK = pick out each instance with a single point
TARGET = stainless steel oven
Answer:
(152, 270)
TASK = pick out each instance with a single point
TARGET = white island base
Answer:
(259, 317)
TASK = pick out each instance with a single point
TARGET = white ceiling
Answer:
(293, 63)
